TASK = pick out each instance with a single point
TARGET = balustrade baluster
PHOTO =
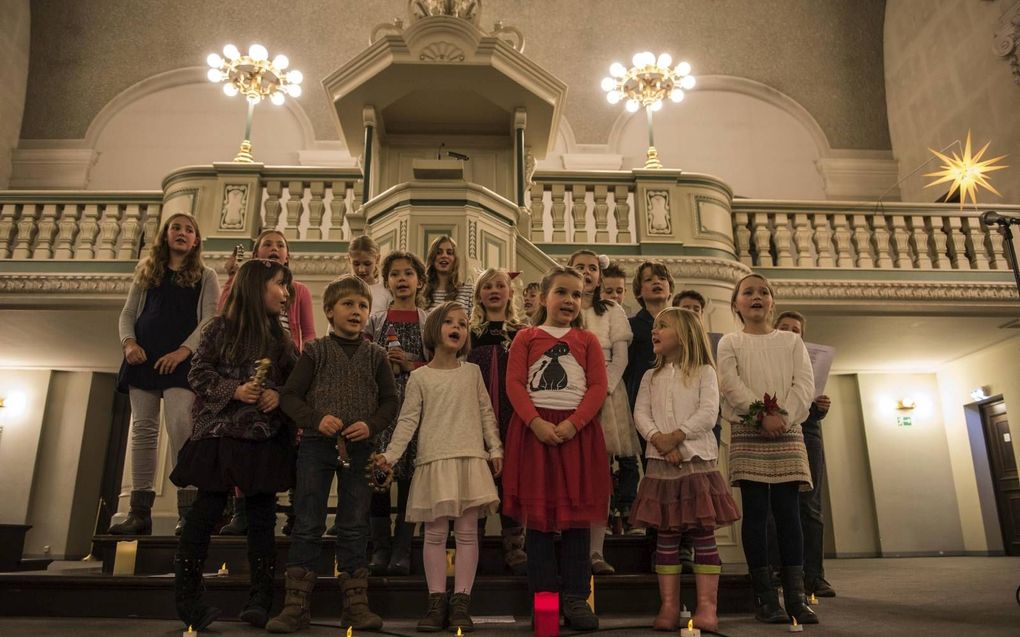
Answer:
(578, 210)
(272, 204)
(957, 243)
(923, 241)
(782, 237)
(151, 226)
(295, 208)
(862, 241)
(601, 214)
(992, 239)
(762, 239)
(880, 233)
(67, 228)
(8, 214)
(802, 239)
(26, 231)
(559, 230)
(337, 210)
(47, 231)
(621, 210)
(940, 254)
(743, 236)
(537, 212)
(842, 235)
(901, 242)
(85, 246)
(109, 228)
(129, 232)
(316, 210)
(975, 243)
(356, 216)
(823, 241)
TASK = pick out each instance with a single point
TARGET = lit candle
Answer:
(459, 634)
(190, 632)
(223, 570)
(685, 613)
(795, 627)
(812, 600)
(350, 631)
(690, 631)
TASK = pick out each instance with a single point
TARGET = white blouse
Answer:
(381, 297)
(666, 404)
(614, 334)
(751, 365)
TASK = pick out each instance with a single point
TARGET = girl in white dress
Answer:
(447, 403)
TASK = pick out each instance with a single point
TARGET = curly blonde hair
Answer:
(150, 270)
(479, 319)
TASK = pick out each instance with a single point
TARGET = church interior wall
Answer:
(943, 78)
(15, 18)
(25, 393)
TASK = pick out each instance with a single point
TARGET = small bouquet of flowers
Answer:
(759, 409)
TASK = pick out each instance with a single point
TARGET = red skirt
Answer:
(554, 487)
(699, 500)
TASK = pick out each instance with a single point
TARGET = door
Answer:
(1005, 480)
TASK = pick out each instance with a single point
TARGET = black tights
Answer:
(207, 511)
(784, 501)
(575, 562)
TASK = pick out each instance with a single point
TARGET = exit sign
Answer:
(904, 421)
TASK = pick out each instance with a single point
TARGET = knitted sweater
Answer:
(451, 411)
(347, 379)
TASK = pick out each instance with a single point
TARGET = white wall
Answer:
(19, 443)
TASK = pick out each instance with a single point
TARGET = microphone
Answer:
(990, 217)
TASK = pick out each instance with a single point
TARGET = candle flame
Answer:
(459, 634)
(690, 624)
(350, 631)
(224, 567)
(794, 621)
(191, 628)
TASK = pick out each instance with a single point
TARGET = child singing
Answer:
(766, 383)
(442, 276)
(171, 298)
(363, 259)
(447, 405)
(341, 386)
(557, 470)
(682, 491)
(494, 324)
(240, 437)
(400, 331)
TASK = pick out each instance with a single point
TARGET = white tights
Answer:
(465, 530)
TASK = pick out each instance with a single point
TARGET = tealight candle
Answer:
(812, 600)
(459, 634)
(795, 627)
(223, 570)
(685, 612)
(350, 631)
(690, 631)
(190, 632)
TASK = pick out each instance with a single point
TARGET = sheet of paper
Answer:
(821, 362)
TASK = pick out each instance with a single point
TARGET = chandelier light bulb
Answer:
(258, 52)
(683, 68)
(608, 84)
(277, 98)
(637, 60)
(617, 70)
(665, 61)
(230, 89)
(214, 60)
(676, 95)
(657, 105)
(295, 77)
(632, 106)
(294, 90)
(214, 75)
(230, 52)
(687, 82)
(281, 61)
(648, 58)
(614, 96)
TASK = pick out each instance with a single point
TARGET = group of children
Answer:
(472, 409)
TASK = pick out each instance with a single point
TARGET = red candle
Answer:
(547, 614)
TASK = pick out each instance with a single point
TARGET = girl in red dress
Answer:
(556, 475)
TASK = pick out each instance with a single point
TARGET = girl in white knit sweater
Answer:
(447, 403)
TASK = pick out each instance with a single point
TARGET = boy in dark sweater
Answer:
(341, 386)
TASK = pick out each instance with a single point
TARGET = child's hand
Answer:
(133, 352)
(678, 437)
(381, 462)
(566, 430)
(248, 393)
(663, 443)
(823, 402)
(497, 467)
(674, 458)
(773, 425)
(330, 425)
(269, 400)
(545, 431)
(357, 432)
(168, 363)
(397, 356)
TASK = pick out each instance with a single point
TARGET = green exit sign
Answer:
(904, 421)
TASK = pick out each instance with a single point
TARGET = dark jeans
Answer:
(626, 488)
(207, 511)
(811, 520)
(575, 564)
(316, 466)
(783, 500)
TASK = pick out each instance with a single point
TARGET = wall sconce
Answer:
(906, 404)
(981, 393)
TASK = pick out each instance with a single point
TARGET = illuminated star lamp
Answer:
(646, 84)
(255, 77)
(967, 173)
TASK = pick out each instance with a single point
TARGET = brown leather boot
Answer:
(669, 611)
(297, 604)
(356, 613)
(514, 557)
(706, 616)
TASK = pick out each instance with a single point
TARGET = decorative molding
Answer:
(472, 229)
(233, 207)
(657, 212)
(442, 52)
(902, 291)
(725, 217)
(1007, 39)
(683, 267)
(66, 284)
(190, 194)
(402, 240)
(469, 10)
(307, 263)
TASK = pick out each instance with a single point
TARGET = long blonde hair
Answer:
(695, 350)
(479, 318)
(432, 277)
(150, 270)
